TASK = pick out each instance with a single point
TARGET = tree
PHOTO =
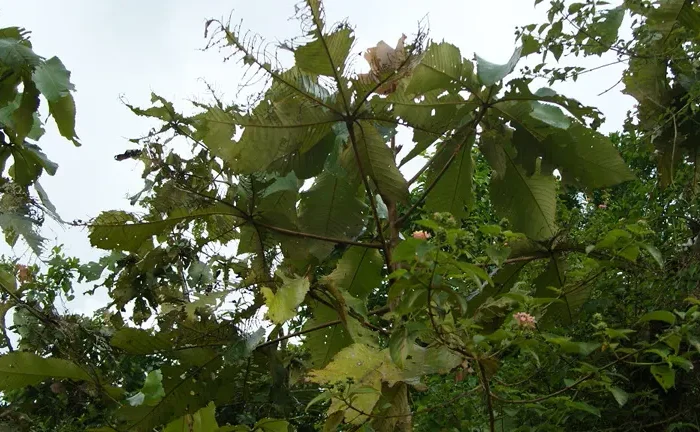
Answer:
(26, 77)
(492, 269)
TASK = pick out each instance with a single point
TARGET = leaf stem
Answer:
(353, 140)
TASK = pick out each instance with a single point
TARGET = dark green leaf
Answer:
(20, 369)
(665, 316)
(664, 375)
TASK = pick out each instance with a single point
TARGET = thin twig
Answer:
(444, 169)
(487, 393)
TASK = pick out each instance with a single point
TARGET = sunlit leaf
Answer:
(282, 304)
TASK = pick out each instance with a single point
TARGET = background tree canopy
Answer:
(285, 274)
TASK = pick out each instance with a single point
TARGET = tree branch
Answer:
(233, 41)
(444, 169)
(353, 140)
(315, 236)
(317, 327)
(487, 393)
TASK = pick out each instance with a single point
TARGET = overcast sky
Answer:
(131, 48)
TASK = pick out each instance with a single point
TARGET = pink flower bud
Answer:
(602, 206)
(421, 235)
(525, 320)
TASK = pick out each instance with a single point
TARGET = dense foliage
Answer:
(284, 274)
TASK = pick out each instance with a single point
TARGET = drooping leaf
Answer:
(19, 369)
(63, 112)
(660, 315)
(24, 117)
(378, 162)
(527, 201)
(453, 191)
(17, 224)
(491, 73)
(30, 162)
(399, 345)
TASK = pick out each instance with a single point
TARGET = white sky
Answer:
(132, 48)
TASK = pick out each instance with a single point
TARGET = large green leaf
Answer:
(216, 129)
(430, 115)
(520, 91)
(357, 362)
(378, 163)
(584, 157)
(331, 207)
(491, 73)
(53, 79)
(30, 162)
(453, 190)
(283, 123)
(282, 304)
(442, 65)
(326, 54)
(23, 118)
(138, 341)
(358, 272)
(529, 202)
(16, 55)
(19, 369)
(186, 390)
(325, 343)
(63, 112)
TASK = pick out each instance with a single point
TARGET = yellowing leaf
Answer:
(282, 305)
(204, 420)
(359, 362)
